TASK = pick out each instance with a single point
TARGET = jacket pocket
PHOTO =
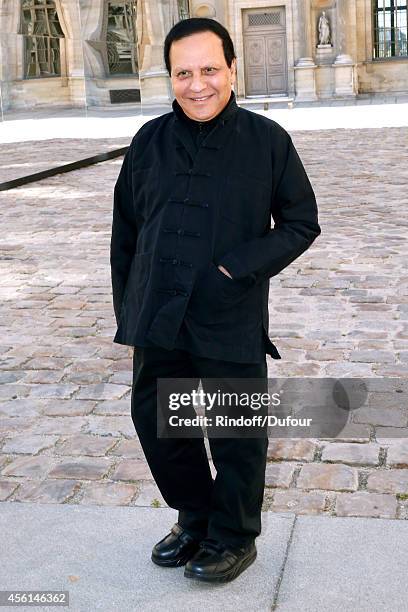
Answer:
(230, 287)
(214, 291)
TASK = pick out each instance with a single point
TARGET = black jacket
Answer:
(179, 212)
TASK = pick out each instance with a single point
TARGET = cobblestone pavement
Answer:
(340, 310)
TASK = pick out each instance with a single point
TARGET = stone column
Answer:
(343, 64)
(154, 81)
(10, 44)
(73, 53)
(305, 85)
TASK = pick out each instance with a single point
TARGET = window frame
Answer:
(35, 5)
(105, 42)
(180, 8)
(375, 13)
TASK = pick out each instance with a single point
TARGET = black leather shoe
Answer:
(217, 562)
(175, 549)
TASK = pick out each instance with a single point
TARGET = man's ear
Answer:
(233, 70)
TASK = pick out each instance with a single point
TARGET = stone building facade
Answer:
(109, 52)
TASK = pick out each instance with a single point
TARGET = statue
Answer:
(324, 30)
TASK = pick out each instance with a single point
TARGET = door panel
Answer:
(276, 63)
(255, 64)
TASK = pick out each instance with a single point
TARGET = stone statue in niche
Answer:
(324, 31)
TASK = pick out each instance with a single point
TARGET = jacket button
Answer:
(174, 261)
(186, 199)
(180, 232)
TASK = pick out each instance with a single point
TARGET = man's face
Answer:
(200, 76)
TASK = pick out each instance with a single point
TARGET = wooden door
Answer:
(265, 54)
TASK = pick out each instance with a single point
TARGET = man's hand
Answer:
(224, 271)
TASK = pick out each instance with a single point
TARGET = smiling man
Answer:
(200, 76)
(192, 252)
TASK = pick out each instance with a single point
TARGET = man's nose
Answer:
(197, 84)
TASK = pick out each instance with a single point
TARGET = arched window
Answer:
(42, 34)
(121, 37)
(390, 28)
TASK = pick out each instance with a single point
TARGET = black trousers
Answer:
(228, 508)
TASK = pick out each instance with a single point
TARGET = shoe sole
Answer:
(171, 562)
(226, 576)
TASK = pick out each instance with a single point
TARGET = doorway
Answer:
(265, 55)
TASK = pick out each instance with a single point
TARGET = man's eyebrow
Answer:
(206, 65)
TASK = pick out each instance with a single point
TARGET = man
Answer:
(192, 251)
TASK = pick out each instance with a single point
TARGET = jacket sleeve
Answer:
(294, 211)
(124, 233)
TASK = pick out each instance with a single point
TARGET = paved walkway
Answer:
(339, 311)
(102, 558)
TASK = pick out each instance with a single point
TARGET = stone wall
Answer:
(383, 76)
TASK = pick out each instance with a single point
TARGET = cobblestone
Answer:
(112, 407)
(340, 310)
(84, 444)
(299, 502)
(69, 408)
(64, 391)
(102, 391)
(132, 469)
(47, 491)
(328, 477)
(15, 423)
(388, 481)
(20, 407)
(58, 425)
(362, 503)
(28, 444)
(82, 467)
(131, 449)
(109, 493)
(110, 426)
(397, 455)
(354, 454)
(32, 467)
(294, 450)
(279, 474)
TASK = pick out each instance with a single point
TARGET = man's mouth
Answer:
(201, 98)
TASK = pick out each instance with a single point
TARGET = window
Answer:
(121, 37)
(390, 28)
(183, 9)
(42, 34)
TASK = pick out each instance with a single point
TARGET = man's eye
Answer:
(210, 69)
(182, 73)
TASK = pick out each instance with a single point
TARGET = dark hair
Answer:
(194, 25)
